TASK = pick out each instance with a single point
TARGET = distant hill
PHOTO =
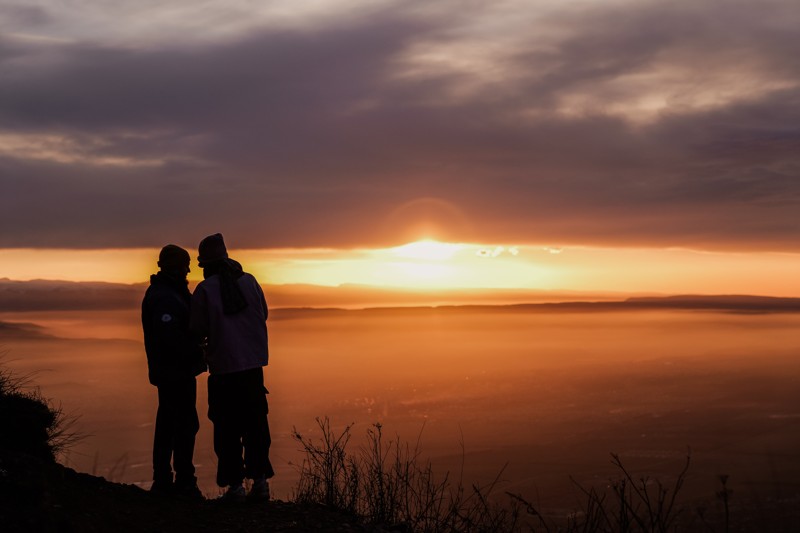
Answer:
(48, 295)
(17, 330)
(740, 304)
(728, 301)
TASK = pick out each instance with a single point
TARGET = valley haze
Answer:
(548, 386)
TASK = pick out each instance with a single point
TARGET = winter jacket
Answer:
(173, 353)
(236, 341)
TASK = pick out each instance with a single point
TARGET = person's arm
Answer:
(150, 345)
(263, 300)
(146, 321)
(198, 316)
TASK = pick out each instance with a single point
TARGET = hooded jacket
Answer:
(173, 353)
(236, 340)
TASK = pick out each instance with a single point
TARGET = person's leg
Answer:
(163, 439)
(256, 438)
(186, 427)
(222, 410)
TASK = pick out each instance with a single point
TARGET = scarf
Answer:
(229, 271)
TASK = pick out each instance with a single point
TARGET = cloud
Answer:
(621, 124)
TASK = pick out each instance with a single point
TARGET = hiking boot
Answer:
(234, 494)
(162, 487)
(259, 492)
(190, 491)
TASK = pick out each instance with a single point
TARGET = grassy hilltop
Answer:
(39, 495)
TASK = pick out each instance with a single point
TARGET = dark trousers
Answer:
(237, 405)
(176, 428)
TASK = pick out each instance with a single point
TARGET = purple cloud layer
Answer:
(633, 124)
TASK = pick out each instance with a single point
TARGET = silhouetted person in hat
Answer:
(229, 310)
(174, 359)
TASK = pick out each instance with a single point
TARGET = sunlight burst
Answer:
(428, 250)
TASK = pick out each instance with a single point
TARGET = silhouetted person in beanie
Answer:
(229, 310)
(174, 359)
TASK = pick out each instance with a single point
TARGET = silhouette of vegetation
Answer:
(388, 483)
(636, 504)
(29, 423)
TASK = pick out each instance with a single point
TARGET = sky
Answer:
(608, 127)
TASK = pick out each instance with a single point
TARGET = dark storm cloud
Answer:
(321, 137)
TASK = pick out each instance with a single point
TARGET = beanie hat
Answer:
(211, 249)
(172, 256)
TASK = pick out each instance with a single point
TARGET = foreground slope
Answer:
(39, 496)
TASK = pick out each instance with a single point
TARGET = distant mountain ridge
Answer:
(22, 330)
(727, 301)
(740, 304)
(49, 295)
(54, 295)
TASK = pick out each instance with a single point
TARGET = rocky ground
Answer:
(36, 496)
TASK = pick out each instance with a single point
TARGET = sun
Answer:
(425, 262)
(427, 250)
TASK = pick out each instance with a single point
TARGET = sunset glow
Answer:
(427, 250)
(439, 265)
(515, 145)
